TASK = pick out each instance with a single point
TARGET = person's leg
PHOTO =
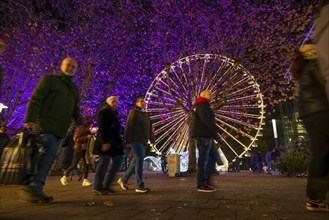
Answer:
(76, 158)
(101, 169)
(86, 165)
(317, 127)
(113, 169)
(139, 151)
(129, 171)
(50, 142)
(203, 145)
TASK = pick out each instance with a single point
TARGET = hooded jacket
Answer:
(53, 104)
(203, 120)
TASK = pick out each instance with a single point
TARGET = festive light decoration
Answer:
(126, 43)
(237, 103)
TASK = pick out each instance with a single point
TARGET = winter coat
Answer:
(203, 120)
(138, 127)
(80, 138)
(53, 104)
(311, 94)
(109, 131)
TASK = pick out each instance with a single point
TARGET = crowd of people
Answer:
(54, 104)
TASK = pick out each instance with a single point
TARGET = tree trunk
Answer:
(192, 148)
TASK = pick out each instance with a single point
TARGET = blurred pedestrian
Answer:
(53, 104)
(321, 37)
(110, 146)
(268, 161)
(313, 107)
(81, 137)
(138, 132)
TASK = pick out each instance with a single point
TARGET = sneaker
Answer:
(122, 184)
(206, 189)
(142, 190)
(86, 182)
(101, 192)
(317, 206)
(65, 180)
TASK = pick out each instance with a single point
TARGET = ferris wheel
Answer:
(237, 103)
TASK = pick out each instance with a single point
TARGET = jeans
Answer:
(136, 165)
(206, 160)
(50, 143)
(102, 167)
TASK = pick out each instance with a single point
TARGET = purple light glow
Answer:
(130, 43)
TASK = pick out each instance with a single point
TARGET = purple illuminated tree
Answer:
(121, 45)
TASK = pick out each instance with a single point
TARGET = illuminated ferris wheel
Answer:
(237, 102)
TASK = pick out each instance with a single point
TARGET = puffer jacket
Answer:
(312, 97)
(53, 104)
(203, 120)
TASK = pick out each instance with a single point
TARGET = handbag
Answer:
(19, 159)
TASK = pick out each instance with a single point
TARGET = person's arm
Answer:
(129, 128)
(35, 104)
(206, 116)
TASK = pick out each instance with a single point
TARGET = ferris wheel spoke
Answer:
(167, 129)
(160, 115)
(180, 138)
(170, 137)
(237, 130)
(235, 139)
(237, 114)
(238, 102)
(168, 120)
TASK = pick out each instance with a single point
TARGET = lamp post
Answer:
(275, 133)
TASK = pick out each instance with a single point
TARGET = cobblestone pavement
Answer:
(240, 196)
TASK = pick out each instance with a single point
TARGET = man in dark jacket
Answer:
(110, 146)
(138, 132)
(204, 130)
(53, 104)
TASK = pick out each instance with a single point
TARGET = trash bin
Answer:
(173, 165)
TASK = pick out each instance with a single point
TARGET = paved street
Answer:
(241, 196)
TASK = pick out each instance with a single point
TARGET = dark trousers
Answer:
(76, 158)
(317, 126)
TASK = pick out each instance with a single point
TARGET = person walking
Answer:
(268, 161)
(313, 107)
(138, 132)
(53, 104)
(81, 136)
(204, 130)
(110, 146)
